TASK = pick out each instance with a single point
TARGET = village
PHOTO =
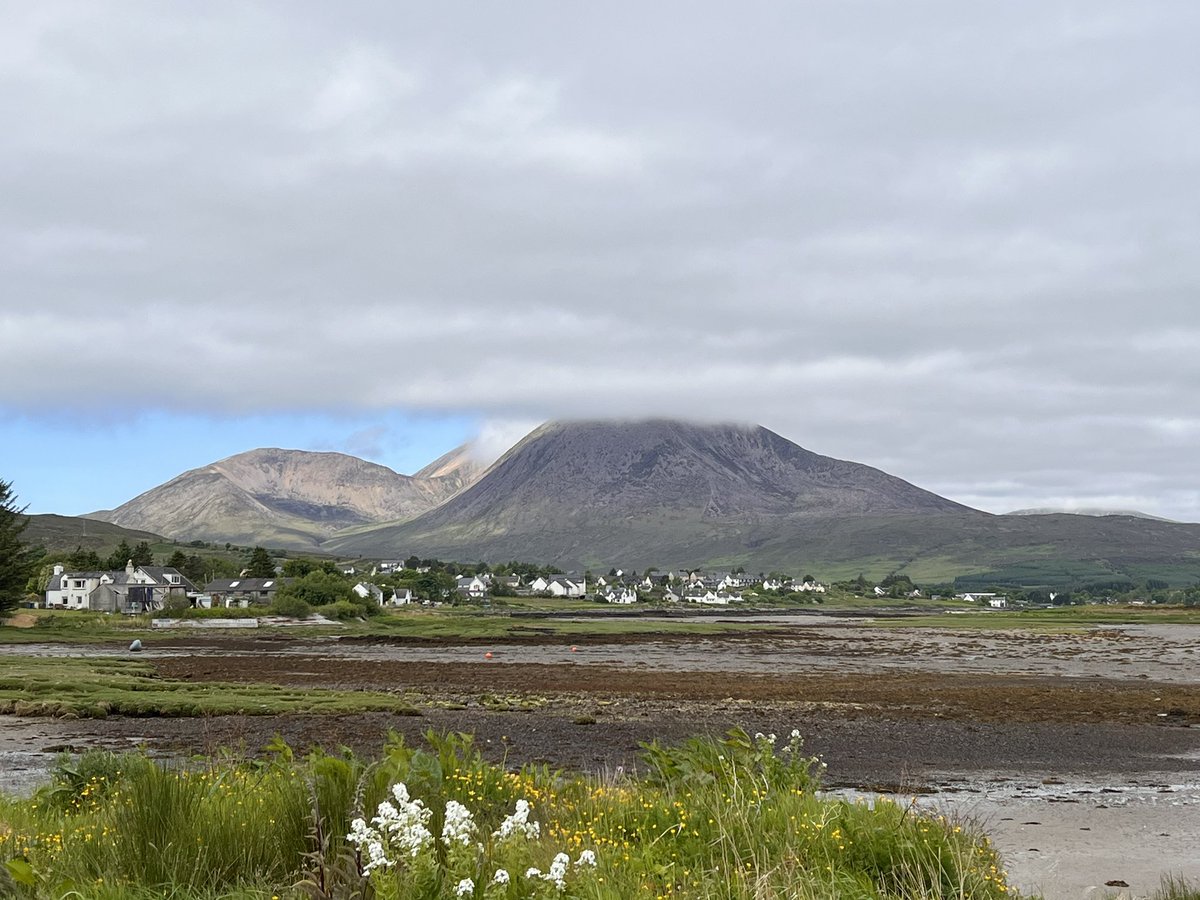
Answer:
(142, 588)
(139, 589)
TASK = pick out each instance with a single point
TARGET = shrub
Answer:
(293, 607)
(342, 610)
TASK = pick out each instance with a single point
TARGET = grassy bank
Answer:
(469, 623)
(1066, 618)
(98, 687)
(735, 818)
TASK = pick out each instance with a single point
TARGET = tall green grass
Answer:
(735, 818)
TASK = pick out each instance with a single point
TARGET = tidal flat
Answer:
(1078, 751)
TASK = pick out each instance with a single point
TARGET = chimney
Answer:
(129, 568)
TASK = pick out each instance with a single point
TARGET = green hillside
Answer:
(65, 533)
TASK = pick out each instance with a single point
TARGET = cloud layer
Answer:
(956, 241)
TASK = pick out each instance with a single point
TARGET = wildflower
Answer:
(587, 858)
(558, 871)
(376, 858)
(518, 823)
(459, 826)
(501, 877)
(405, 822)
(465, 887)
(533, 872)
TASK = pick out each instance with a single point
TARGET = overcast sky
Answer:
(957, 241)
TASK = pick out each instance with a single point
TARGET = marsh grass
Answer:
(99, 686)
(1173, 887)
(733, 818)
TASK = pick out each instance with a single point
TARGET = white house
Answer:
(401, 597)
(70, 590)
(366, 590)
(814, 586)
(977, 597)
(712, 598)
(562, 586)
(472, 586)
(134, 590)
(621, 595)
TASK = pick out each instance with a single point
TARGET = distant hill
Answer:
(1086, 511)
(286, 498)
(671, 494)
(65, 533)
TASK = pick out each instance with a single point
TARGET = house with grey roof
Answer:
(136, 589)
(244, 592)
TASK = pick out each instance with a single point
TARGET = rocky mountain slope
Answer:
(287, 498)
(595, 487)
(670, 494)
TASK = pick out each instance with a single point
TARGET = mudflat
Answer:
(1063, 749)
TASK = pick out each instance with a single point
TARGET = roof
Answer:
(161, 575)
(243, 584)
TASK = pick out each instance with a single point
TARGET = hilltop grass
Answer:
(736, 818)
(98, 687)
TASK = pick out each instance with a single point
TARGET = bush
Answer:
(292, 607)
(342, 610)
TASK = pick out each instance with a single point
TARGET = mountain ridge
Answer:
(284, 498)
(659, 492)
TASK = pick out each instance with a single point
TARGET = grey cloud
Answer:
(952, 240)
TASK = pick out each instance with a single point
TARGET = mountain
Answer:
(658, 493)
(661, 490)
(1086, 511)
(286, 498)
(669, 494)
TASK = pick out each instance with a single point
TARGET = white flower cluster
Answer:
(557, 873)
(459, 827)
(369, 841)
(518, 824)
(400, 826)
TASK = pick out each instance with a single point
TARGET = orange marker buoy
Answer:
(488, 655)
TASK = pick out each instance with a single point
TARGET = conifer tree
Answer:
(261, 565)
(17, 559)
